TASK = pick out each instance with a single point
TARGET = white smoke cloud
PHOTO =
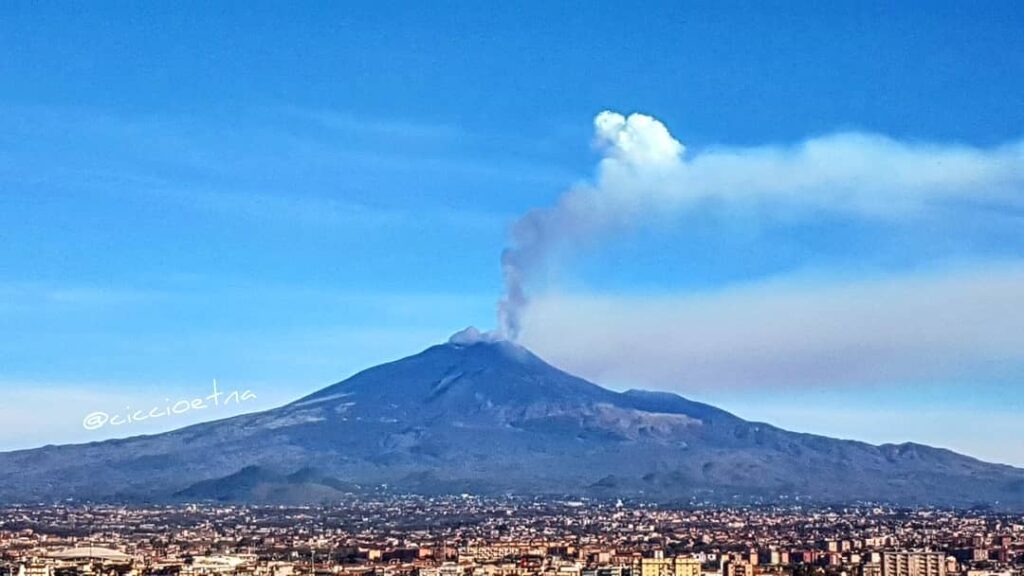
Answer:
(471, 335)
(640, 158)
(643, 172)
(639, 141)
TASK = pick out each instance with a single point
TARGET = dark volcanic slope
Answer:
(492, 417)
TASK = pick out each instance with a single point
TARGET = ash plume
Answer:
(643, 176)
(638, 154)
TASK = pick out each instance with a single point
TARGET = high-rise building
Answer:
(913, 564)
(737, 568)
(654, 566)
(661, 566)
(871, 569)
(683, 566)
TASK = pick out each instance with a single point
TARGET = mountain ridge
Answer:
(490, 416)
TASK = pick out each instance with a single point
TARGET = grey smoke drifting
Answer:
(638, 152)
(642, 173)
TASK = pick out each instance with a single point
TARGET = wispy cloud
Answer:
(283, 164)
(955, 326)
(389, 129)
(61, 297)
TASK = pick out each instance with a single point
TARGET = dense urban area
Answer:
(470, 536)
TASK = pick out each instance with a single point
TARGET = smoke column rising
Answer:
(642, 173)
(638, 153)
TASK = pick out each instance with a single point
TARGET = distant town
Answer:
(470, 536)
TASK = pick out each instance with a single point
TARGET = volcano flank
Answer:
(483, 415)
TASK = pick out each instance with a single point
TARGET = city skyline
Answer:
(466, 535)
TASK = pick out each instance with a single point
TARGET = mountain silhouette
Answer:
(490, 417)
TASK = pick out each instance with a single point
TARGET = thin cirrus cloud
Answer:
(292, 166)
(258, 148)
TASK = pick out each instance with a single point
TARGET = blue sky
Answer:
(277, 196)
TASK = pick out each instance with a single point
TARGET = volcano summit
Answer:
(484, 415)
